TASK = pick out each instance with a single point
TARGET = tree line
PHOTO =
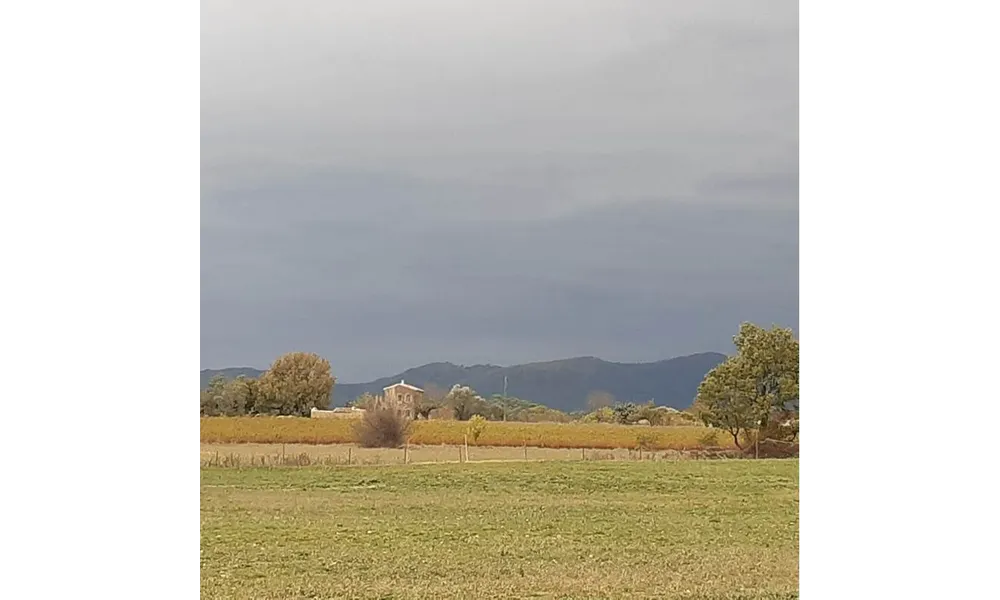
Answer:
(462, 403)
(753, 395)
(293, 385)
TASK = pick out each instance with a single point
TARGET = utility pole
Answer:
(756, 440)
(504, 398)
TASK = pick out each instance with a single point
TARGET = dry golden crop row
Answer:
(269, 430)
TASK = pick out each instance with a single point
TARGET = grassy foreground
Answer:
(272, 430)
(685, 529)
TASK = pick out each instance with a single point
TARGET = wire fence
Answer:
(300, 455)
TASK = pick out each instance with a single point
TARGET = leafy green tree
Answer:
(501, 408)
(211, 397)
(207, 406)
(725, 400)
(229, 398)
(423, 408)
(464, 402)
(231, 402)
(508, 408)
(295, 384)
(770, 359)
(754, 387)
(432, 399)
(238, 397)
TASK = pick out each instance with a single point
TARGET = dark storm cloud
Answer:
(390, 186)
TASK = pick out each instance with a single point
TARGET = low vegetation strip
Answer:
(339, 455)
(293, 430)
(689, 529)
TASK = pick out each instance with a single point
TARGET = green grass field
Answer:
(668, 529)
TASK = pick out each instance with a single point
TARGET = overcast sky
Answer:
(391, 183)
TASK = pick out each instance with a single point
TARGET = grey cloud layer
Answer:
(608, 178)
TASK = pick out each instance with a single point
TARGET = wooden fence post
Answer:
(406, 453)
(349, 455)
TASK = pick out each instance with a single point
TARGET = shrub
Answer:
(773, 449)
(625, 413)
(365, 400)
(781, 427)
(442, 413)
(605, 415)
(601, 415)
(647, 412)
(477, 424)
(645, 440)
(710, 439)
(382, 428)
(542, 414)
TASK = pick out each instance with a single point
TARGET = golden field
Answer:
(294, 430)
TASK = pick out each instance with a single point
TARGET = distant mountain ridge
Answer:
(561, 384)
(229, 373)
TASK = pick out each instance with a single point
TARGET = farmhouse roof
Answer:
(402, 383)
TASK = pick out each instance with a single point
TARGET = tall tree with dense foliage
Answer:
(756, 386)
(211, 396)
(295, 384)
(464, 402)
(431, 400)
(726, 401)
(239, 396)
(229, 398)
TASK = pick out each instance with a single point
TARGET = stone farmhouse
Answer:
(404, 396)
(398, 396)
